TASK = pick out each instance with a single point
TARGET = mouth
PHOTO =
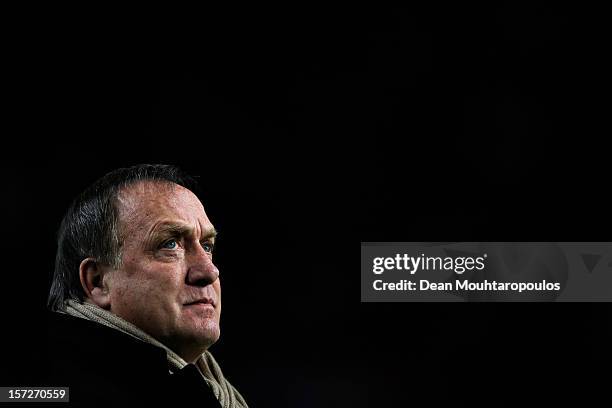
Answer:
(201, 302)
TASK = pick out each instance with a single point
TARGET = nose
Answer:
(201, 269)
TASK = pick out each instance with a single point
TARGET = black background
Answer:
(313, 129)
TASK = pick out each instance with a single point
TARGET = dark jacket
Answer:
(103, 366)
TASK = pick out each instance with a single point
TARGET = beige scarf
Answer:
(227, 395)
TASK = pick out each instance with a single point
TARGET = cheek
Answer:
(146, 288)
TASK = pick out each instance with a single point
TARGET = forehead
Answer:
(148, 202)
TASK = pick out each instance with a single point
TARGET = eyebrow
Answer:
(179, 229)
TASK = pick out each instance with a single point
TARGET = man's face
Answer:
(167, 284)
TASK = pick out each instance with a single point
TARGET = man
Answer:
(137, 295)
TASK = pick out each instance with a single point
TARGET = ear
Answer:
(94, 280)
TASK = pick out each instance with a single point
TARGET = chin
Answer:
(211, 335)
(192, 342)
(206, 334)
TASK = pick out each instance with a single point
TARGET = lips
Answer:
(202, 301)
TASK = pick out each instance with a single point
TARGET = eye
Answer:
(208, 247)
(170, 244)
